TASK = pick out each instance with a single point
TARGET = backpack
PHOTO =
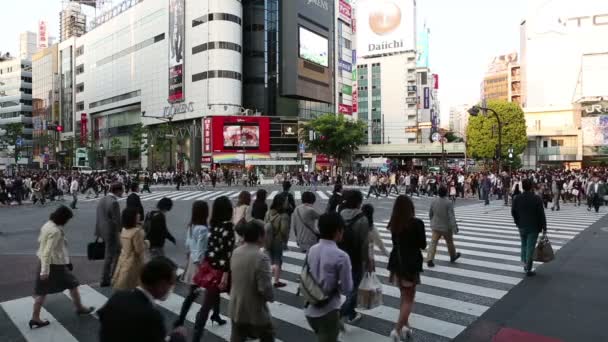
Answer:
(349, 239)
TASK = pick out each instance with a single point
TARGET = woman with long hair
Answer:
(55, 268)
(405, 261)
(132, 252)
(259, 207)
(213, 274)
(197, 237)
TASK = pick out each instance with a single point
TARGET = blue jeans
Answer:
(348, 307)
(528, 244)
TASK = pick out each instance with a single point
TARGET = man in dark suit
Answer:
(108, 228)
(529, 216)
(132, 316)
(133, 201)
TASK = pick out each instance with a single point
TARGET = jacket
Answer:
(258, 210)
(53, 249)
(107, 224)
(133, 201)
(304, 226)
(196, 242)
(528, 212)
(220, 246)
(441, 214)
(131, 259)
(251, 286)
(158, 230)
(358, 246)
(129, 316)
(406, 255)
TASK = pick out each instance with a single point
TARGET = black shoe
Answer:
(430, 263)
(105, 284)
(35, 324)
(217, 320)
(455, 257)
(530, 274)
(552, 209)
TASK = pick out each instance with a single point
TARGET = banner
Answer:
(345, 66)
(436, 81)
(84, 131)
(207, 135)
(43, 38)
(345, 109)
(346, 89)
(427, 97)
(345, 12)
(176, 50)
(355, 101)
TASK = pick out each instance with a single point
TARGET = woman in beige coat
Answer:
(134, 245)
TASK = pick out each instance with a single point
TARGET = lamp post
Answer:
(474, 111)
(101, 152)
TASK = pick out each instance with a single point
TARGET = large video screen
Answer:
(313, 47)
(241, 136)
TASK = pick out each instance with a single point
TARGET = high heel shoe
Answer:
(38, 324)
(217, 320)
(395, 336)
(406, 333)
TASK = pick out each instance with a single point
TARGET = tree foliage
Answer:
(482, 131)
(138, 138)
(13, 132)
(335, 135)
(115, 146)
(452, 137)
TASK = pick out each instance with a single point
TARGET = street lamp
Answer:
(101, 151)
(474, 111)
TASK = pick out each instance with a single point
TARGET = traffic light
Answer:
(54, 126)
(59, 128)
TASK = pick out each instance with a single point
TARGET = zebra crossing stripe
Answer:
(89, 296)
(234, 195)
(272, 195)
(19, 311)
(558, 224)
(182, 195)
(322, 195)
(298, 195)
(158, 195)
(197, 194)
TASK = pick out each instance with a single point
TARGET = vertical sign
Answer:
(176, 50)
(43, 39)
(427, 97)
(345, 109)
(355, 101)
(436, 81)
(83, 129)
(207, 135)
(345, 11)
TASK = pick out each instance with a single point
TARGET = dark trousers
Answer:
(393, 186)
(348, 307)
(486, 196)
(594, 201)
(18, 196)
(74, 200)
(195, 291)
(374, 189)
(146, 188)
(212, 301)
(242, 332)
(528, 244)
(111, 257)
(327, 328)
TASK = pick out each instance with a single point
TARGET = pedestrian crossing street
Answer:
(450, 297)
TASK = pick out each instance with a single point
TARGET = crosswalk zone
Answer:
(451, 296)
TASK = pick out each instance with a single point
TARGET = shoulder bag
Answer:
(306, 225)
(311, 290)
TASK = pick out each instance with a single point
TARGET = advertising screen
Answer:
(313, 47)
(245, 136)
(385, 26)
(176, 50)
(595, 130)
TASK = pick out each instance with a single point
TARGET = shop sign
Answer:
(345, 109)
(345, 66)
(207, 160)
(289, 130)
(83, 128)
(355, 101)
(346, 89)
(427, 97)
(178, 108)
(597, 108)
(345, 11)
(207, 135)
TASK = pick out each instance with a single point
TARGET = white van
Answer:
(86, 170)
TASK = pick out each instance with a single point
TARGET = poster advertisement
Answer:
(595, 130)
(176, 50)
(314, 47)
(385, 26)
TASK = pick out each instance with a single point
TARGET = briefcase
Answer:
(96, 250)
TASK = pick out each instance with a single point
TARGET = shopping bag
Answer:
(369, 295)
(544, 251)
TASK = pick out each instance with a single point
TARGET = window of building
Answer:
(79, 88)
(347, 44)
(79, 51)
(79, 105)
(545, 144)
(557, 142)
(79, 69)
(216, 16)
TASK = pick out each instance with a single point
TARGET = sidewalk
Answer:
(565, 302)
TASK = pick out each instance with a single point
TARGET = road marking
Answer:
(322, 195)
(272, 195)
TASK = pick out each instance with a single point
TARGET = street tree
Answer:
(334, 136)
(138, 140)
(12, 132)
(453, 137)
(115, 146)
(482, 131)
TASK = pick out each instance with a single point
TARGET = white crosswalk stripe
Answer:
(449, 298)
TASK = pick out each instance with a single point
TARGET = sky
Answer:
(465, 36)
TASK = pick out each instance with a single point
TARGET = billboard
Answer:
(427, 98)
(83, 128)
(43, 38)
(595, 130)
(207, 135)
(345, 11)
(422, 48)
(176, 50)
(313, 47)
(240, 133)
(385, 26)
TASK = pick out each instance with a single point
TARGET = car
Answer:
(85, 170)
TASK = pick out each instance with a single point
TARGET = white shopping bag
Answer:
(369, 295)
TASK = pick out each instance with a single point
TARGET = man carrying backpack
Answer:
(327, 274)
(355, 242)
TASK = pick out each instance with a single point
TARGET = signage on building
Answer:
(427, 98)
(345, 11)
(345, 109)
(345, 66)
(387, 26)
(346, 89)
(207, 135)
(43, 38)
(411, 100)
(436, 81)
(178, 108)
(411, 129)
(84, 131)
(411, 88)
(206, 159)
(422, 48)
(240, 134)
(323, 4)
(595, 108)
(177, 45)
(355, 101)
(289, 130)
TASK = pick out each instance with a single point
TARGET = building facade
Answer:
(501, 81)
(28, 44)
(16, 105)
(72, 21)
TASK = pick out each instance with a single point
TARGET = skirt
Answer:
(60, 279)
(408, 280)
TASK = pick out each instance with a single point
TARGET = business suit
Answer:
(108, 228)
(486, 186)
(529, 216)
(443, 224)
(251, 289)
(130, 316)
(133, 201)
(595, 193)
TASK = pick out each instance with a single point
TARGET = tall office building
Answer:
(502, 79)
(28, 44)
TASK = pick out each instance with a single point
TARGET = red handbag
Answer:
(208, 277)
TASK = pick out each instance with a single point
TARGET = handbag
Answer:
(369, 294)
(96, 250)
(543, 251)
(208, 277)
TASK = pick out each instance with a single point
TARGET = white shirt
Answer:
(74, 186)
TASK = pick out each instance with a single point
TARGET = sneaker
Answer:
(430, 263)
(394, 336)
(355, 319)
(455, 257)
